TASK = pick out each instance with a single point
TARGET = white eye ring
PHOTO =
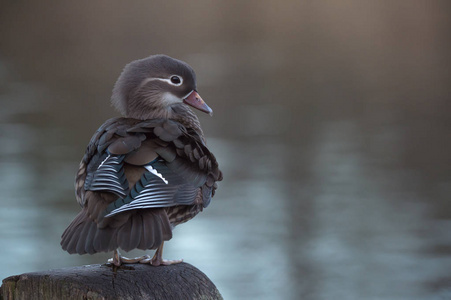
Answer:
(175, 80)
(172, 80)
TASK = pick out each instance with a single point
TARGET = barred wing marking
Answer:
(155, 172)
(109, 176)
(158, 187)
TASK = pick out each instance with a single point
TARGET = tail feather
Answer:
(71, 235)
(89, 246)
(142, 229)
(156, 234)
(136, 232)
(102, 241)
(146, 233)
(83, 232)
(123, 235)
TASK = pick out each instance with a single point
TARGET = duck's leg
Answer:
(118, 259)
(157, 259)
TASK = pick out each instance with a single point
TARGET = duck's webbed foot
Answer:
(118, 259)
(158, 260)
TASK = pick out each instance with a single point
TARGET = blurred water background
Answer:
(332, 127)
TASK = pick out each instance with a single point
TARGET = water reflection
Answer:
(333, 138)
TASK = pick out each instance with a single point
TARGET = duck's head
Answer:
(155, 86)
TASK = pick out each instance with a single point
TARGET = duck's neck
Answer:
(178, 112)
(185, 116)
(149, 114)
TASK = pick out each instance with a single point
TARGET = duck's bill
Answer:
(195, 100)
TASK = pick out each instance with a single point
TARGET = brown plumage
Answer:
(147, 172)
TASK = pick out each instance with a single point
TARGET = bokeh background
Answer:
(332, 127)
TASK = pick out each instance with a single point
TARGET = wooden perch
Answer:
(131, 281)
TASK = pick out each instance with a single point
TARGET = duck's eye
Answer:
(176, 80)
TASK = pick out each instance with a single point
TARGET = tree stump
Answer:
(130, 281)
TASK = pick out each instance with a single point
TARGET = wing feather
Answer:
(113, 181)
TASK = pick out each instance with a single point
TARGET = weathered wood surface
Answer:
(133, 281)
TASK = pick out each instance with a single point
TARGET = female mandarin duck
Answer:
(148, 171)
